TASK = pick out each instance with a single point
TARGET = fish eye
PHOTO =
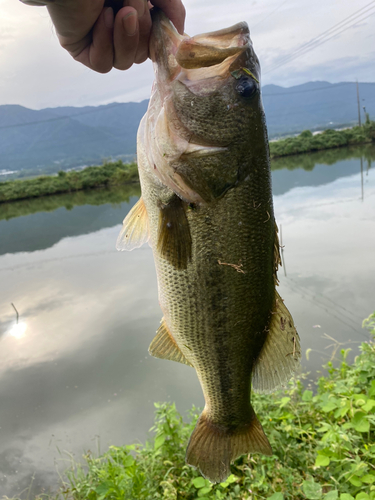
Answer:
(246, 86)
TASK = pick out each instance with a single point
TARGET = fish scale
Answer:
(206, 211)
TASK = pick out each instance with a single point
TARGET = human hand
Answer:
(103, 34)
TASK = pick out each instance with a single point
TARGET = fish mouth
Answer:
(187, 70)
(206, 56)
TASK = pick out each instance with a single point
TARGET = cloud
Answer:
(31, 53)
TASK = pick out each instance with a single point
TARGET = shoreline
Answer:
(307, 142)
(119, 173)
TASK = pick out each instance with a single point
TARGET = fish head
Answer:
(205, 102)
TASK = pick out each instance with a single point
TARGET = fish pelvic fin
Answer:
(212, 447)
(164, 346)
(174, 239)
(135, 229)
(280, 356)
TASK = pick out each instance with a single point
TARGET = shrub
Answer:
(90, 177)
(328, 139)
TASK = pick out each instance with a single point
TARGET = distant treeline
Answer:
(119, 173)
(307, 142)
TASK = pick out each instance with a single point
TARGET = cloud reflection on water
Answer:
(83, 370)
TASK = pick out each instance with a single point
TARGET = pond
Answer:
(75, 374)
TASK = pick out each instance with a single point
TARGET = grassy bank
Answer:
(119, 173)
(109, 174)
(306, 141)
(322, 438)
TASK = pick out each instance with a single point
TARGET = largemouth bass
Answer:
(206, 211)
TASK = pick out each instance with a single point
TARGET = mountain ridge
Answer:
(53, 139)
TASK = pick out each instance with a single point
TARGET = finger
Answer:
(98, 53)
(125, 37)
(144, 20)
(175, 10)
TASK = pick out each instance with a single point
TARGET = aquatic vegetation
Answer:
(322, 438)
(306, 141)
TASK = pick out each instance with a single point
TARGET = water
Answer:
(75, 373)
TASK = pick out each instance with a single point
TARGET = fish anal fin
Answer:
(280, 356)
(164, 346)
(174, 239)
(212, 447)
(135, 229)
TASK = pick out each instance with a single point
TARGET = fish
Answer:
(207, 212)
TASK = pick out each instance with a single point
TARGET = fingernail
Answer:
(139, 6)
(108, 17)
(130, 23)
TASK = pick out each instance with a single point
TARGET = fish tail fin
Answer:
(213, 447)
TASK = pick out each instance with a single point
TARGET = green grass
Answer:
(306, 141)
(119, 173)
(322, 438)
(109, 174)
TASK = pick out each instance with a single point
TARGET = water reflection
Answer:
(321, 167)
(35, 224)
(17, 331)
(81, 368)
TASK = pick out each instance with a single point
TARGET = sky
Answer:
(36, 72)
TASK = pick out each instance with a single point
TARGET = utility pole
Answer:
(359, 108)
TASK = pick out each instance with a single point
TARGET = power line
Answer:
(333, 85)
(330, 33)
(318, 39)
(336, 26)
(309, 297)
(269, 15)
(64, 117)
(58, 118)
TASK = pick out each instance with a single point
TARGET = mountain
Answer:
(53, 139)
(315, 106)
(58, 138)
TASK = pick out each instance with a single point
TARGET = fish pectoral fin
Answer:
(280, 356)
(174, 239)
(164, 346)
(213, 447)
(135, 229)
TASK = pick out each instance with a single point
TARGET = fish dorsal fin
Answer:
(280, 356)
(174, 239)
(135, 230)
(164, 346)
